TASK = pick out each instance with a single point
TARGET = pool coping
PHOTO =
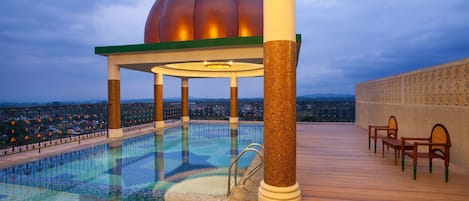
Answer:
(33, 155)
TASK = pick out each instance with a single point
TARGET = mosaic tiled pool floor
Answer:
(140, 168)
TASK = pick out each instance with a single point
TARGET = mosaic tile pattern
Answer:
(234, 102)
(158, 92)
(444, 85)
(280, 113)
(114, 110)
(185, 101)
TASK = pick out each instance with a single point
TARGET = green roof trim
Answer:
(253, 40)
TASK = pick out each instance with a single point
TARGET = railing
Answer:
(134, 115)
(308, 110)
(253, 171)
(326, 111)
(27, 127)
(35, 127)
(210, 110)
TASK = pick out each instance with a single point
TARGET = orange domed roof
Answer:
(180, 20)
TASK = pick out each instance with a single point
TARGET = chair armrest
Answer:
(377, 126)
(404, 139)
(429, 143)
(415, 138)
(386, 128)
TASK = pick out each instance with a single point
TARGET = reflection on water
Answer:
(234, 140)
(139, 168)
(159, 157)
(115, 176)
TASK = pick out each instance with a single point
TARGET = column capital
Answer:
(233, 81)
(184, 82)
(113, 72)
(158, 78)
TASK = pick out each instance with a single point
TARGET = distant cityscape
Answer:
(35, 123)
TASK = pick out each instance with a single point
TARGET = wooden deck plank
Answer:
(334, 163)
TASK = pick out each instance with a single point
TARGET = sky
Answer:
(47, 47)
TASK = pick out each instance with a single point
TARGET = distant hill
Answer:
(321, 97)
(327, 97)
(46, 104)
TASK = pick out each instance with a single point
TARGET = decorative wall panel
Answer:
(445, 85)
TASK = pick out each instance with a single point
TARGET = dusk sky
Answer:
(47, 46)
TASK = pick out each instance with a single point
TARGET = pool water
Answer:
(140, 168)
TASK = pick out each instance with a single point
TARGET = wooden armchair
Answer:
(438, 144)
(391, 131)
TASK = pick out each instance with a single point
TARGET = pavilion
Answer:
(222, 39)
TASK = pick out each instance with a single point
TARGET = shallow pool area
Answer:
(191, 158)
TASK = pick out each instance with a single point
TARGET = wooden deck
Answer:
(334, 163)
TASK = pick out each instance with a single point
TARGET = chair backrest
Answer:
(440, 135)
(392, 123)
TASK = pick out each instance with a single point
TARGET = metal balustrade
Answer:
(326, 111)
(27, 128)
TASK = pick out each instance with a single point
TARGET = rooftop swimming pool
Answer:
(188, 160)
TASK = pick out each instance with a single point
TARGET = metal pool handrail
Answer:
(235, 162)
(256, 145)
(257, 168)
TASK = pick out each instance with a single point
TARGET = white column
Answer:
(279, 181)
(114, 114)
(279, 20)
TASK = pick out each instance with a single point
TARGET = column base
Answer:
(159, 131)
(234, 126)
(234, 120)
(273, 193)
(185, 119)
(159, 124)
(115, 133)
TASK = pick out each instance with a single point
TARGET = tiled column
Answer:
(158, 97)
(234, 100)
(185, 99)
(114, 101)
(279, 102)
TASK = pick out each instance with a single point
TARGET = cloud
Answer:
(117, 24)
(50, 44)
(362, 40)
(47, 46)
